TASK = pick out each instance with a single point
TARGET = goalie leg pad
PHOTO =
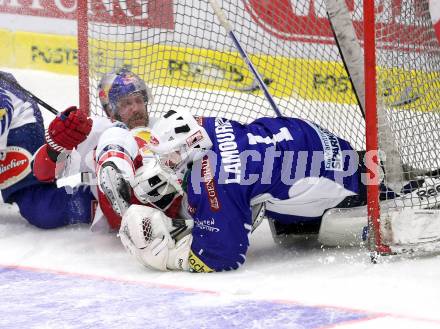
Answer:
(400, 224)
(402, 227)
(424, 196)
(178, 257)
(343, 227)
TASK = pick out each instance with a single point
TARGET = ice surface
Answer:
(73, 278)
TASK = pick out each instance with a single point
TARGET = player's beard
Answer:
(138, 119)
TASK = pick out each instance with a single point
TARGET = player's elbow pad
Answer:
(44, 166)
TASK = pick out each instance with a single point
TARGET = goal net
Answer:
(185, 55)
(188, 60)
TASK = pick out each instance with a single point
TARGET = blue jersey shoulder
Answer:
(8, 83)
(6, 111)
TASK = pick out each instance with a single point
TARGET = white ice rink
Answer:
(73, 278)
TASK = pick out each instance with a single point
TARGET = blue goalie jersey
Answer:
(295, 167)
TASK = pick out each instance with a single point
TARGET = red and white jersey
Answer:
(107, 141)
(83, 161)
(80, 160)
(127, 149)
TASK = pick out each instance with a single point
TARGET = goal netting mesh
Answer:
(408, 93)
(188, 60)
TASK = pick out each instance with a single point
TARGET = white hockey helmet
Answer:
(178, 139)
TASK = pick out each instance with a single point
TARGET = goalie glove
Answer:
(145, 233)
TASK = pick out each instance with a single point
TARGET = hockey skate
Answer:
(290, 233)
(116, 189)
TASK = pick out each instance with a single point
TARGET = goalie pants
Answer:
(46, 206)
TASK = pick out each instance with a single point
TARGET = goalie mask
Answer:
(114, 86)
(177, 139)
(103, 88)
(153, 185)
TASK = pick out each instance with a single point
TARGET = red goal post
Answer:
(371, 134)
(402, 81)
(83, 54)
(184, 54)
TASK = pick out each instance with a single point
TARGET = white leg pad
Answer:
(410, 226)
(343, 227)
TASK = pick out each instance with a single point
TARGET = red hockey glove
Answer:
(68, 129)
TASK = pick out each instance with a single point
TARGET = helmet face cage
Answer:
(171, 160)
(178, 139)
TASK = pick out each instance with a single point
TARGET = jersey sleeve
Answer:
(119, 146)
(220, 241)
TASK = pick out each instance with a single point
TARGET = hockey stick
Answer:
(353, 59)
(29, 94)
(354, 77)
(227, 26)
